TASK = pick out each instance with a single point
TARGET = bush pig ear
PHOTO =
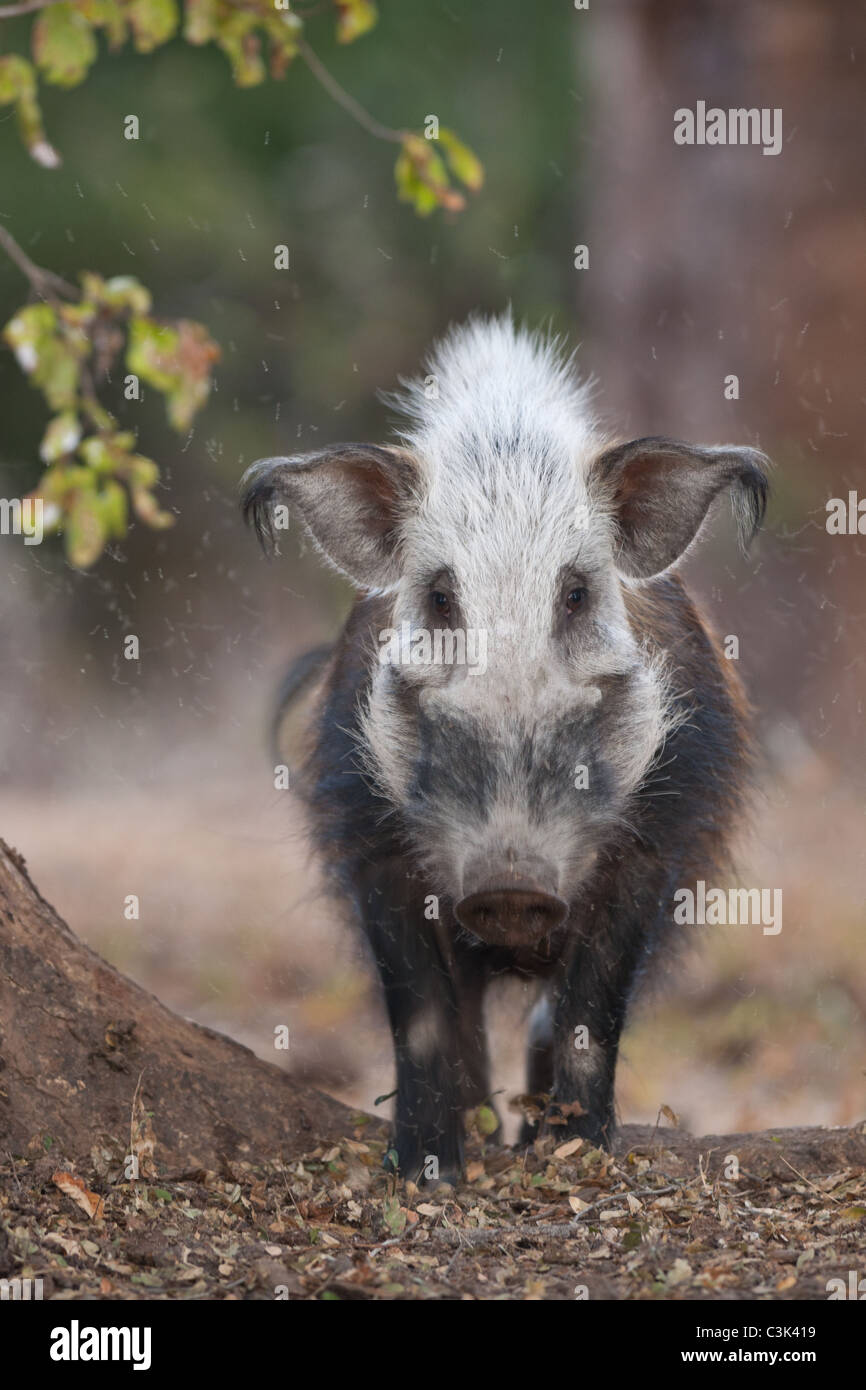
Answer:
(660, 491)
(350, 498)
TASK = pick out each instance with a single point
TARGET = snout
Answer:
(511, 916)
(517, 906)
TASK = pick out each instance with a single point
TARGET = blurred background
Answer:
(155, 778)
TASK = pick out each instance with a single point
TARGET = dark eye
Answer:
(441, 603)
(575, 600)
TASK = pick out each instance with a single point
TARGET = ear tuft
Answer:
(350, 498)
(660, 490)
(259, 492)
(750, 493)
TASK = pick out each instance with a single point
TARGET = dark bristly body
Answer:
(535, 814)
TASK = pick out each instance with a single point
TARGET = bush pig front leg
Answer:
(588, 1017)
(423, 1012)
(471, 974)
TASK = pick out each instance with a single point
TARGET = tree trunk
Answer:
(82, 1048)
(711, 261)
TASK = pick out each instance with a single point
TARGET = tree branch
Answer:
(45, 283)
(26, 7)
(348, 102)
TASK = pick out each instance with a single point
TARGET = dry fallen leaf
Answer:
(679, 1272)
(67, 1245)
(570, 1147)
(501, 1234)
(75, 1188)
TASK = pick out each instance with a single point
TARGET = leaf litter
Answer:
(556, 1220)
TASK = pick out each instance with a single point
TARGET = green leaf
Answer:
(78, 317)
(411, 188)
(58, 374)
(148, 510)
(242, 47)
(120, 292)
(18, 87)
(84, 531)
(98, 454)
(143, 472)
(464, 164)
(176, 361)
(200, 20)
(115, 510)
(58, 481)
(196, 351)
(51, 359)
(394, 1216)
(356, 17)
(16, 76)
(143, 475)
(284, 30)
(64, 45)
(422, 178)
(28, 330)
(61, 437)
(107, 15)
(152, 351)
(153, 22)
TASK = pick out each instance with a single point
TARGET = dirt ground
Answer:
(772, 1216)
(746, 1031)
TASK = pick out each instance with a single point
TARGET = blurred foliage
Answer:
(422, 176)
(194, 208)
(259, 37)
(64, 346)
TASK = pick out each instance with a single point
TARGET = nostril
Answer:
(482, 911)
(554, 910)
(511, 915)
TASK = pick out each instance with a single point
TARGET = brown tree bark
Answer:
(80, 1043)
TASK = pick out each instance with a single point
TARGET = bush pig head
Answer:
(513, 711)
